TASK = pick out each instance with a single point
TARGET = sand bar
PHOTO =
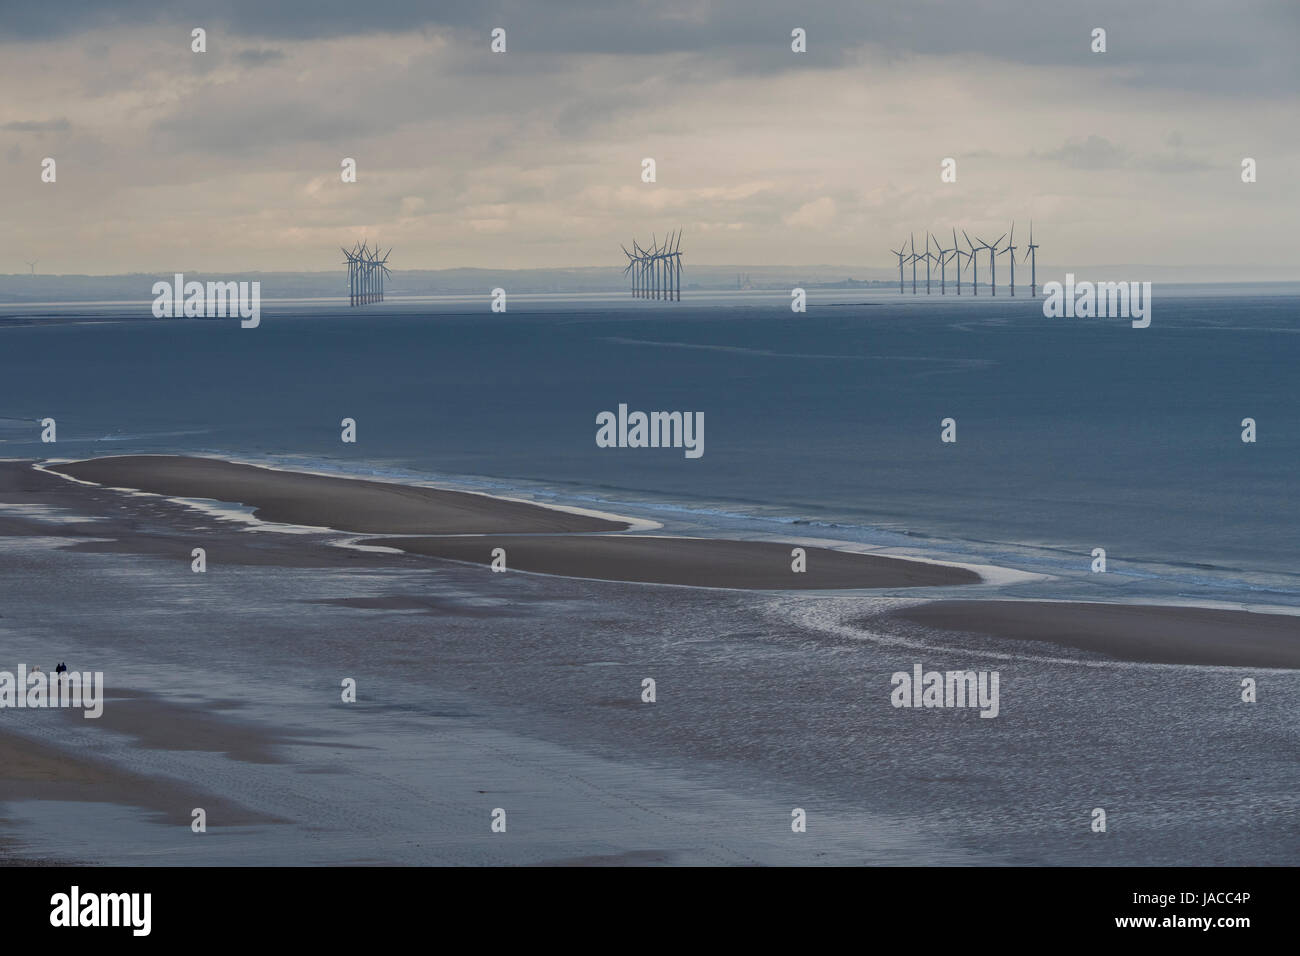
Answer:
(1129, 632)
(536, 539)
(697, 562)
(344, 504)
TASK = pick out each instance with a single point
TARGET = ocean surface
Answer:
(523, 690)
(1072, 434)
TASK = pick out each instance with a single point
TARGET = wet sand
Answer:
(33, 770)
(526, 531)
(462, 757)
(695, 562)
(344, 504)
(1127, 632)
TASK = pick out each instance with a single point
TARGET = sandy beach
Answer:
(1128, 632)
(479, 690)
(344, 504)
(695, 562)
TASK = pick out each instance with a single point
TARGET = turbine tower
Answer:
(959, 253)
(942, 256)
(1011, 249)
(677, 264)
(913, 260)
(902, 254)
(993, 264)
(656, 272)
(974, 265)
(631, 265)
(642, 271)
(927, 262)
(1031, 255)
(32, 265)
(366, 272)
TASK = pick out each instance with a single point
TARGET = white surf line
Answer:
(807, 615)
(1206, 604)
(991, 575)
(635, 524)
(350, 542)
(47, 514)
(237, 511)
(213, 507)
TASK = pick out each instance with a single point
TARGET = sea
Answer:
(1071, 434)
(524, 692)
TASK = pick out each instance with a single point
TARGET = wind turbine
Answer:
(957, 249)
(677, 268)
(659, 267)
(365, 272)
(1031, 255)
(974, 265)
(993, 264)
(1011, 249)
(631, 261)
(382, 265)
(643, 270)
(670, 263)
(32, 265)
(942, 256)
(902, 254)
(913, 260)
(351, 260)
(927, 262)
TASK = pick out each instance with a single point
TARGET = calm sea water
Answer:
(1072, 434)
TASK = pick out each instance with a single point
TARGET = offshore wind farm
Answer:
(528, 533)
(941, 257)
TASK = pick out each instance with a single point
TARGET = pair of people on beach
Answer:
(60, 669)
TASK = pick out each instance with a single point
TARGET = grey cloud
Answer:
(1095, 152)
(37, 126)
(1178, 163)
(1098, 153)
(258, 57)
(1247, 47)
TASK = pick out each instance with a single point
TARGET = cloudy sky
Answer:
(229, 160)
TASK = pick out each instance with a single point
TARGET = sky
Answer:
(168, 159)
